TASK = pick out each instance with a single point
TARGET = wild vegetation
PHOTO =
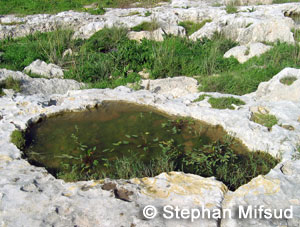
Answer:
(110, 59)
(267, 120)
(225, 102)
(26, 7)
(288, 80)
(10, 83)
(191, 27)
(18, 138)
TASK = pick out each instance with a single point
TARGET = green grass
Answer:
(201, 98)
(288, 80)
(10, 83)
(283, 1)
(110, 59)
(146, 26)
(225, 102)
(266, 120)
(296, 34)
(231, 8)
(26, 7)
(245, 78)
(17, 138)
(191, 27)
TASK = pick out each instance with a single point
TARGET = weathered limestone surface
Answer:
(245, 52)
(43, 69)
(32, 197)
(263, 23)
(176, 86)
(30, 86)
(275, 90)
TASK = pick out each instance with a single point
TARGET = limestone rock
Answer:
(273, 191)
(176, 86)
(156, 35)
(245, 52)
(30, 86)
(208, 30)
(275, 90)
(248, 2)
(42, 68)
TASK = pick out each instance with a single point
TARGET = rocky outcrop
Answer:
(276, 89)
(263, 192)
(30, 86)
(157, 35)
(257, 24)
(246, 27)
(248, 2)
(41, 68)
(176, 86)
(245, 52)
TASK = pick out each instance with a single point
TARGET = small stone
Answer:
(288, 127)
(123, 194)
(109, 186)
(287, 169)
(29, 188)
(67, 52)
(144, 74)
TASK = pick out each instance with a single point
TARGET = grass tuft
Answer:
(201, 98)
(288, 80)
(18, 139)
(191, 27)
(267, 120)
(146, 26)
(231, 8)
(10, 83)
(225, 102)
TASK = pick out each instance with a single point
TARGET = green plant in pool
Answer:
(126, 141)
(84, 163)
